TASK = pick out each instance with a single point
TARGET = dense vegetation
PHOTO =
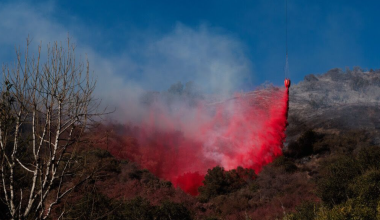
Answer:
(320, 176)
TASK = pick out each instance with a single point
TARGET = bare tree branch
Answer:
(46, 105)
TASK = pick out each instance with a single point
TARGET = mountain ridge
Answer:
(336, 100)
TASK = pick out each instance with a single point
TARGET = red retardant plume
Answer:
(189, 182)
(247, 130)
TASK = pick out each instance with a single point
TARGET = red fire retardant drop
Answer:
(189, 182)
(247, 130)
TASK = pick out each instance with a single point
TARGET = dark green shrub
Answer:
(305, 211)
(345, 142)
(351, 209)
(369, 157)
(322, 145)
(215, 183)
(366, 188)
(171, 210)
(285, 163)
(303, 146)
(239, 177)
(335, 178)
(138, 209)
(220, 182)
(93, 205)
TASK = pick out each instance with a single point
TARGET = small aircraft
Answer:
(287, 82)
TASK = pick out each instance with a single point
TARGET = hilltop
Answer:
(336, 101)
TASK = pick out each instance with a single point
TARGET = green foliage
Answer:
(351, 209)
(138, 209)
(97, 159)
(350, 187)
(303, 146)
(369, 157)
(215, 183)
(99, 153)
(227, 205)
(335, 179)
(366, 188)
(220, 182)
(345, 143)
(285, 163)
(93, 205)
(170, 210)
(306, 210)
(137, 174)
(141, 209)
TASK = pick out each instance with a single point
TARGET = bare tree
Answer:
(46, 104)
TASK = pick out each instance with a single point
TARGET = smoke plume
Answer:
(184, 134)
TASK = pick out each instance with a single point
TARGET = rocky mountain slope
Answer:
(337, 100)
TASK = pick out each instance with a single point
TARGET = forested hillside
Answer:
(330, 167)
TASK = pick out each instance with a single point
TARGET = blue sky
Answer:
(236, 44)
